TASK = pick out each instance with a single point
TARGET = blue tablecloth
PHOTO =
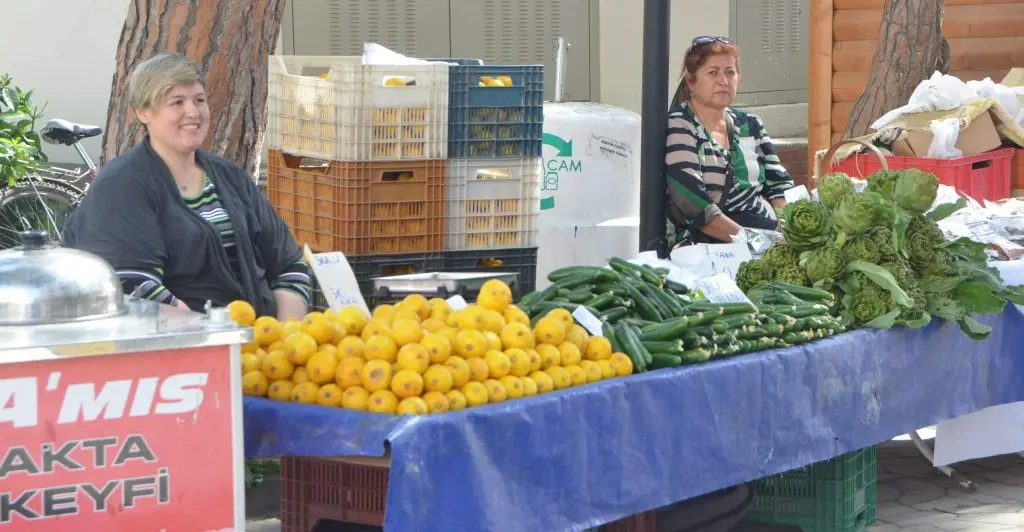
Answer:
(594, 454)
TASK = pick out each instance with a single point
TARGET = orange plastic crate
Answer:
(360, 208)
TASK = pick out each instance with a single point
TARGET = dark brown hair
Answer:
(696, 57)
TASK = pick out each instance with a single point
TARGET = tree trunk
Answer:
(910, 48)
(229, 40)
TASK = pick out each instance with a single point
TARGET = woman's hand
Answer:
(289, 305)
(721, 228)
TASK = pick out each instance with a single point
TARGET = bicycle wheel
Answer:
(38, 204)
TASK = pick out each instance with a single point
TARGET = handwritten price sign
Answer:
(706, 260)
(337, 280)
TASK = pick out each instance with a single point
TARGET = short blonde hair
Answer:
(155, 77)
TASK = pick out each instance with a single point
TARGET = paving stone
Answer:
(1014, 519)
(918, 496)
(887, 493)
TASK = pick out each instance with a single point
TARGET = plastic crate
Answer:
(983, 177)
(837, 495)
(366, 268)
(1017, 170)
(642, 522)
(360, 208)
(344, 490)
(492, 203)
(520, 260)
(495, 121)
(351, 114)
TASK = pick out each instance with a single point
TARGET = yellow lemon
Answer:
(255, 383)
(300, 346)
(516, 335)
(471, 317)
(305, 392)
(384, 312)
(418, 304)
(412, 406)
(562, 315)
(560, 376)
(438, 347)
(475, 393)
(608, 369)
(494, 321)
(381, 348)
(349, 372)
(622, 364)
(382, 402)
(578, 336)
(577, 376)
(549, 355)
(433, 325)
(242, 313)
(376, 327)
(543, 381)
(456, 400)
(290, 327)
(321, 367)
(251, 362)
(470, 343)
(496, 392)
(592, 370)
(330, 395)
(513, 386)
(493, 341)
(529, 386)
(300, 375)
(518, 362)
(376, 375)
(459, 369)
(355, 398)
(351, 346)
(266, 330)
(405, 315)
(413, 357)
(437, 378)
(407, 383)
(536, 363)
(318, 327)
(352, 319)
(569, 353)
(498, 364)
(437, 402)
(277, 367)
(281, 390)
(514, 314)
(598, 348)
(549, 330)
(479, 371)
(405, 331)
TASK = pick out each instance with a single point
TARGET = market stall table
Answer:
(590, 455)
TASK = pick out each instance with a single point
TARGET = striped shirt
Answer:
(207, 205)
(706, 180)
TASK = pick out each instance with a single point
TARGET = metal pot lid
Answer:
(42, 284)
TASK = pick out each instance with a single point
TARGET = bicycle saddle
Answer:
(59, 131)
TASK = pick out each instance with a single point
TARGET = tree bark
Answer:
(910, 48)
(229, 40)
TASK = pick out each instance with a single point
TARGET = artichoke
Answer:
(915, 190)
(882, 236)
(781, 255)
(806, 224)
(924, 228)
(825, 265)
(882, 183)
(861, 248)
(834, 187)
(856, 213)
(922, 253)
(864, 307)
(752, 272)
(857, 283)
(902, 272)
(943, 263)
(920, 304)
(791, 274)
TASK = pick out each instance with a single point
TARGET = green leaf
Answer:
(973, 329)
(978, 298)
(899, 233)
(919, 322)
(935, 285)
(1015, 294)
(967, 249)
(885, 321)
(882, 278)
(946, 210)
(946, 309)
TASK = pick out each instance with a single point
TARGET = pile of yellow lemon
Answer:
(420, 356)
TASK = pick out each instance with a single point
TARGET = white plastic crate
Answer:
(337, 108)
(492, 203)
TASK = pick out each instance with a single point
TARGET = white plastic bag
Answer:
(375, 54)
(1006, 96)
(938, 93)
(945, 133)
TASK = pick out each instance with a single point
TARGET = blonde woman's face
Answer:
(181, 121)
(715, 83)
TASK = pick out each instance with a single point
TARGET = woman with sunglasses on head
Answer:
(720, 166)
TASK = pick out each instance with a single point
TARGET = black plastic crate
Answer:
(514, 260)
(366, 267)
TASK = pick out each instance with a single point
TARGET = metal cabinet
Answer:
(772, 37)
(497, 31)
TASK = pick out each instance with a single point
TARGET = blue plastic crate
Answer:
(495, 121)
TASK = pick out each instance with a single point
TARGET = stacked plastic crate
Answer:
(358, 160)
(496, 121)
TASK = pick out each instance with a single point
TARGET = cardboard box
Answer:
(981, 136)
(1014, 78)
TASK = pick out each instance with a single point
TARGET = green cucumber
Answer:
(643, 306)
(678, 288)
(632, 347)
(596, 272)
(672, 347)
(625, 267)
(803, 292)
(721, 309)
(669, 330)
(613, 314)
(600, 301)
(665, 360)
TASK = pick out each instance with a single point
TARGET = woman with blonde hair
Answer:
(180, 225)
(720, 165)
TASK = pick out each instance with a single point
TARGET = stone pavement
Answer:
(915, 497)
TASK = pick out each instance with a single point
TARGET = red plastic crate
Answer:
(1017, 180)
(984, 176)
(642, 522)
(345, 490)
(360, 208)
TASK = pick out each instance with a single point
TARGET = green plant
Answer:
(20, 148)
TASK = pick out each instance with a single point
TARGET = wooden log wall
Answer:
(986, 39)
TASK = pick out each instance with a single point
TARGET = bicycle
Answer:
(57, 190)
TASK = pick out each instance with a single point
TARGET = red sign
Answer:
(132, 442)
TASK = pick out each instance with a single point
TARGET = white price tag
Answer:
(457, 302)
(720, 288)
(589, 321)
(705, 260)
(336, 279)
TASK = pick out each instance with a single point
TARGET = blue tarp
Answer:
(586, 456)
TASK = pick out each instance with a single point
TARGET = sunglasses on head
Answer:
(708, 39)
